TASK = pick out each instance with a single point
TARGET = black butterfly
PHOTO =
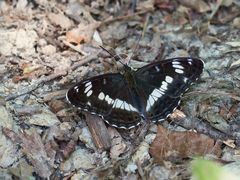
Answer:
(150, 93)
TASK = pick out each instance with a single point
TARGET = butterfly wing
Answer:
(107, 95)
(164, 82)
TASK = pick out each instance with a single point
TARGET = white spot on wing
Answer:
(185, 79)
(118, 103)
(124, 105)
(132, 108)
(108, 99)
(168, 79)
(104, 81)
(101, 96)
(164, 86)
(177, 66)
(157, 68)
(156, 93)
(189, 61)
(88, 88)
(89, 93)
(88, 84)
(127, 106)
(153, 97)
(175, 62)
(77, 90)
(150, 102)
(88, 103)
(179, 71)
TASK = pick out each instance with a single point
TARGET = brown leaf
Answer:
(169, 145)
(56, 105)
(69, 148)
(98, 131)
(176, 19)
(198, 5)
(61, 20)
(82, 34)
(163, 4)
(118, 146)
(33, 148)
(29, 71)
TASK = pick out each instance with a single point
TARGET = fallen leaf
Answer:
(83, 34)
(230, 143)
(23, 170)
(56, 105)
(30, 71)
(61, 20)
(176, 18)
(169, 145)
(49, 49)
(33, 148)
(118, 145)
(227, 3)
(163, 4)
(198, 5)
(21, 5)
(79, 159)
(233, 44)
(236, 22)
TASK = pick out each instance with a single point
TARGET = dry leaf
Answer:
(236, 22)
(33, 148)
(163, 4)
(198, 5)
(82, 34)
(170, 145)
(61, 20)
(176, 19)
(30, 71)
(56, 105)
(118, 145)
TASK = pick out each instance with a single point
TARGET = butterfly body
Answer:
(150, 93)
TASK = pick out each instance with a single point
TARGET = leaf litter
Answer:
(46, 46)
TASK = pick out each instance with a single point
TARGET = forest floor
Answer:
(48, 46)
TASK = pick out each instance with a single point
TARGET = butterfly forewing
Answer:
(172, 75)
(108, 96)
(164, 82)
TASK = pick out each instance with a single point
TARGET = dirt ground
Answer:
(48, 46)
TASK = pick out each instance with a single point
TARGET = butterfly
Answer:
(150, 93)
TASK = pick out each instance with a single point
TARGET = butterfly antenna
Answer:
(115, 56)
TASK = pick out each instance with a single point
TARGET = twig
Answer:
(128, 17)
(87, 59)
(51, 77)
(215, 92)
(200, 126)
(35, 86)
(76, 48)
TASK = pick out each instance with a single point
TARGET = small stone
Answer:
(46, 118)
(80, 159)
(86, 138)
(131, 168)
(49, 49)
